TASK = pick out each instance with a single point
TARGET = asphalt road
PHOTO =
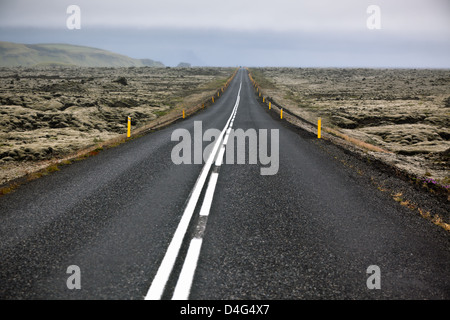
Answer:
(134, 224)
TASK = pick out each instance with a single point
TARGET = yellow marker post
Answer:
(213, 99)
(264, 99)
(281, 114)
(270, 105)
(129, 127)
(184, 115)
(319, 128)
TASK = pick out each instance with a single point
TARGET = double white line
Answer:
(184, 283)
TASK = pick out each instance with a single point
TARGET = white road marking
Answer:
(225, 140)
(165, 269)
(206, 206)
(219, 159)
(183, 288)
(184, 283)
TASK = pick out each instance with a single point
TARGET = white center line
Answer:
(219, 159)
(183, 288)
(184, 284)
(165, 269)
(206, 206)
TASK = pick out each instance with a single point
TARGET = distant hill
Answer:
(184, 65)
(30, 55)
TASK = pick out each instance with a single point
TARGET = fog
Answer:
(320, 33)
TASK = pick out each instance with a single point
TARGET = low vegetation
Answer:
(406, 112)
(47, 113)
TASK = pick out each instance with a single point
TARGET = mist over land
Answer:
(324, 33)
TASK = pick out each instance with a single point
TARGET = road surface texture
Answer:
(310, 231)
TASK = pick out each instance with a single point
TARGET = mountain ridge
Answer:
(59, 54)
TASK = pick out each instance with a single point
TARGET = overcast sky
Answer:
(318, 33)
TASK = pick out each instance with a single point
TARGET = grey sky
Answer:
(207, 32)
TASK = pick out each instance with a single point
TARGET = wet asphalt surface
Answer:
(308, 232)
